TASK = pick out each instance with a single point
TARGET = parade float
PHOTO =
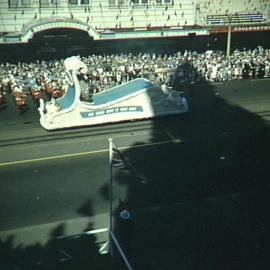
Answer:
(133, 100)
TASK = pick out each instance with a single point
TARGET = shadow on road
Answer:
(80, 251)
(203, 201)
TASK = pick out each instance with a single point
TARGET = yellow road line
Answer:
(79, 154)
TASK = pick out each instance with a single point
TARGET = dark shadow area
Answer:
(2, 107)
(80, 251)
(204, 203)
(86, 209)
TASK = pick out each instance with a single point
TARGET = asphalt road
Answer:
(51, 180)
(220, 149)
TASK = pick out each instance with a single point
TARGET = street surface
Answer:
(214, 160)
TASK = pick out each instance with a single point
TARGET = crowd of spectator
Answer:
(106, 71)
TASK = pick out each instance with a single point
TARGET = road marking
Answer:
(175, 140)
(81, 153)
(83, 233)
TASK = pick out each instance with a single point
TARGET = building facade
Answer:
(122, 19)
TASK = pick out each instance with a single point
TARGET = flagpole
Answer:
(112, 238)
(110, 189)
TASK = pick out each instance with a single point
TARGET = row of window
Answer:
(112, 110)
(48, 3)
(137, 2)
(234, 18)
(29, 3)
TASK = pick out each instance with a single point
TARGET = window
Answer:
(48, 3)
(44, 3)
(26, 3)
(84, 2)
(73, 2)
(121, 2)
(112, 2)
(164, 2)
(19, 3)
(29, 3)
(13, 3)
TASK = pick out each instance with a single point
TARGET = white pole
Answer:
(229, 36)
(110, 192)
(195, 12)
(112, 237)
(122, 253)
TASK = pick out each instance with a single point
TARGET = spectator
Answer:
(107, 71)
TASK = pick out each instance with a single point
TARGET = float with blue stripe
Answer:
(134, 100)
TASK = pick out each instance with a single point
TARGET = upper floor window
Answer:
(147, 2)
(19, 3)
(121, 2)
(26, 2)
(48, 3)
(137, 3)
(13, 3)
(117, 2)
(44, 3)
(164, 2)
(78, 2)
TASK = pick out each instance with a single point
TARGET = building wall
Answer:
(15, 15)
(99, 14)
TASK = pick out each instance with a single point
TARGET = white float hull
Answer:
(135, 100)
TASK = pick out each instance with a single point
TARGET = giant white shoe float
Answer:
(134, 100)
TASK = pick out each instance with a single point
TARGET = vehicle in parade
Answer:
(133, 100)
